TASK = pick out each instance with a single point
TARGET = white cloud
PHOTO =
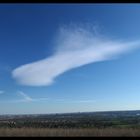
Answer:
(25, 96)
(75, 47)
(1, 91)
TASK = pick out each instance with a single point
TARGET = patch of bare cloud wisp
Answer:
(27, 99)
(74, 47)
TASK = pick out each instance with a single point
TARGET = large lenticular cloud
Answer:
(75, 47)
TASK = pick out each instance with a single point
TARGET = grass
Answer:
(54, 132)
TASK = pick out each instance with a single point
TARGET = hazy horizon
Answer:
(54, 113)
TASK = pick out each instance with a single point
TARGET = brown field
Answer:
(42, 132)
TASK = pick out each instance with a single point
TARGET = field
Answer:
(118, 123)
(87, 132)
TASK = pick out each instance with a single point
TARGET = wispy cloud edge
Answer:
(26, 98)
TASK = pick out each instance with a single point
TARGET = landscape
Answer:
(69, 70)
(87, 124)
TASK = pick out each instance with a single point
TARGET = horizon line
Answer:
(59, 113)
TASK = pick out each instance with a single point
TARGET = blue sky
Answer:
(58, 58)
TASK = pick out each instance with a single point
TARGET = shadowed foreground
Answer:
(68, 132)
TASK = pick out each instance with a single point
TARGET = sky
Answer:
(58, 58)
